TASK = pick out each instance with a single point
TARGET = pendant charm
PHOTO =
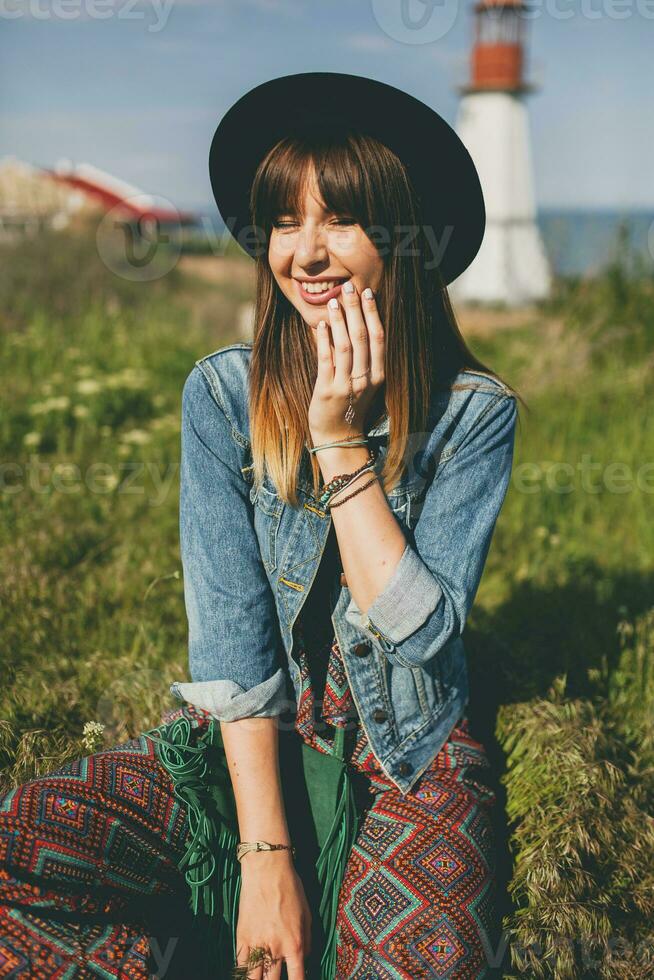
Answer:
(349, 415)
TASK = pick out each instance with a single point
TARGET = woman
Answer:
(341, 478)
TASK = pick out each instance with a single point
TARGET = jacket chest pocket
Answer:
(267, 515)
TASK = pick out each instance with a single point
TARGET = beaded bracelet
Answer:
(354, 492)
(354, 477)
(340, 481)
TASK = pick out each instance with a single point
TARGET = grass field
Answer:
(561, 638)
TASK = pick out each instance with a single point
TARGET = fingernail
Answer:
(348, 287)
(333, 303)
(367, 293)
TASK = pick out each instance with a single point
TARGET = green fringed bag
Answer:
(202, 783)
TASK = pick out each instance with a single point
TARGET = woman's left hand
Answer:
(350, 345)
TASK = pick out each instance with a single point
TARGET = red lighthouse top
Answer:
(497, 60)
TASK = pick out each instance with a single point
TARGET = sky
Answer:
(137, 87)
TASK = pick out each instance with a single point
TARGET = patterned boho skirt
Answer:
(90, 884)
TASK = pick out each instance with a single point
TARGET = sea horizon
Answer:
(578, 241)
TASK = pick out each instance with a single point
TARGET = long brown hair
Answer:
(360, 177)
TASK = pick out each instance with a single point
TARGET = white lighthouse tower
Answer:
(511, 265)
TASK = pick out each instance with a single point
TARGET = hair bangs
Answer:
(282, 178)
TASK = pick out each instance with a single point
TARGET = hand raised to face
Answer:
(351, 350)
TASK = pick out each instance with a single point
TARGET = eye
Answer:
(279, 223)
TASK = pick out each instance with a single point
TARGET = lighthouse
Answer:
(511, 265)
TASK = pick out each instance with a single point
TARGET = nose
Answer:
(310, 247)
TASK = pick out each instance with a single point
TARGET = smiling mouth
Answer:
(320, 295)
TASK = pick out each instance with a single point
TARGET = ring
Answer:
(353, 377)
(256, 956)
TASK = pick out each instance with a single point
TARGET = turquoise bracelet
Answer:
(343, 479)
(325, 500)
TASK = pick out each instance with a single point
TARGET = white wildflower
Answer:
(128, 378)
(93, 735)
(136, 437)
(58, 403)
(170, 422)
(88, 386)
(65, 469)
(109, 480)
(61, 402)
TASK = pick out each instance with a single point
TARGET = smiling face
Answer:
(323, 248)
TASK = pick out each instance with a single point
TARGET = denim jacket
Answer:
(249, 561)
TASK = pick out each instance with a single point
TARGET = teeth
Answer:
(319, 287)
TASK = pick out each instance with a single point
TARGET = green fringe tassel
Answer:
(202, 783)
(332, 860)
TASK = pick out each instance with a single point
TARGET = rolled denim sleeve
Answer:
(431, 591)
(234, 645)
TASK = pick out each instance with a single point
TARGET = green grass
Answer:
(91, 601)
(560, 640)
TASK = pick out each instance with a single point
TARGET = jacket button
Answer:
(405, 768)
(362, 650)
(343, 579)
(379, 714)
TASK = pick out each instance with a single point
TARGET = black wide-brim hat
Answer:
(438, 164)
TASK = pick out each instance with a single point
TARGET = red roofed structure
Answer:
(34, 197)
(111, 192)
